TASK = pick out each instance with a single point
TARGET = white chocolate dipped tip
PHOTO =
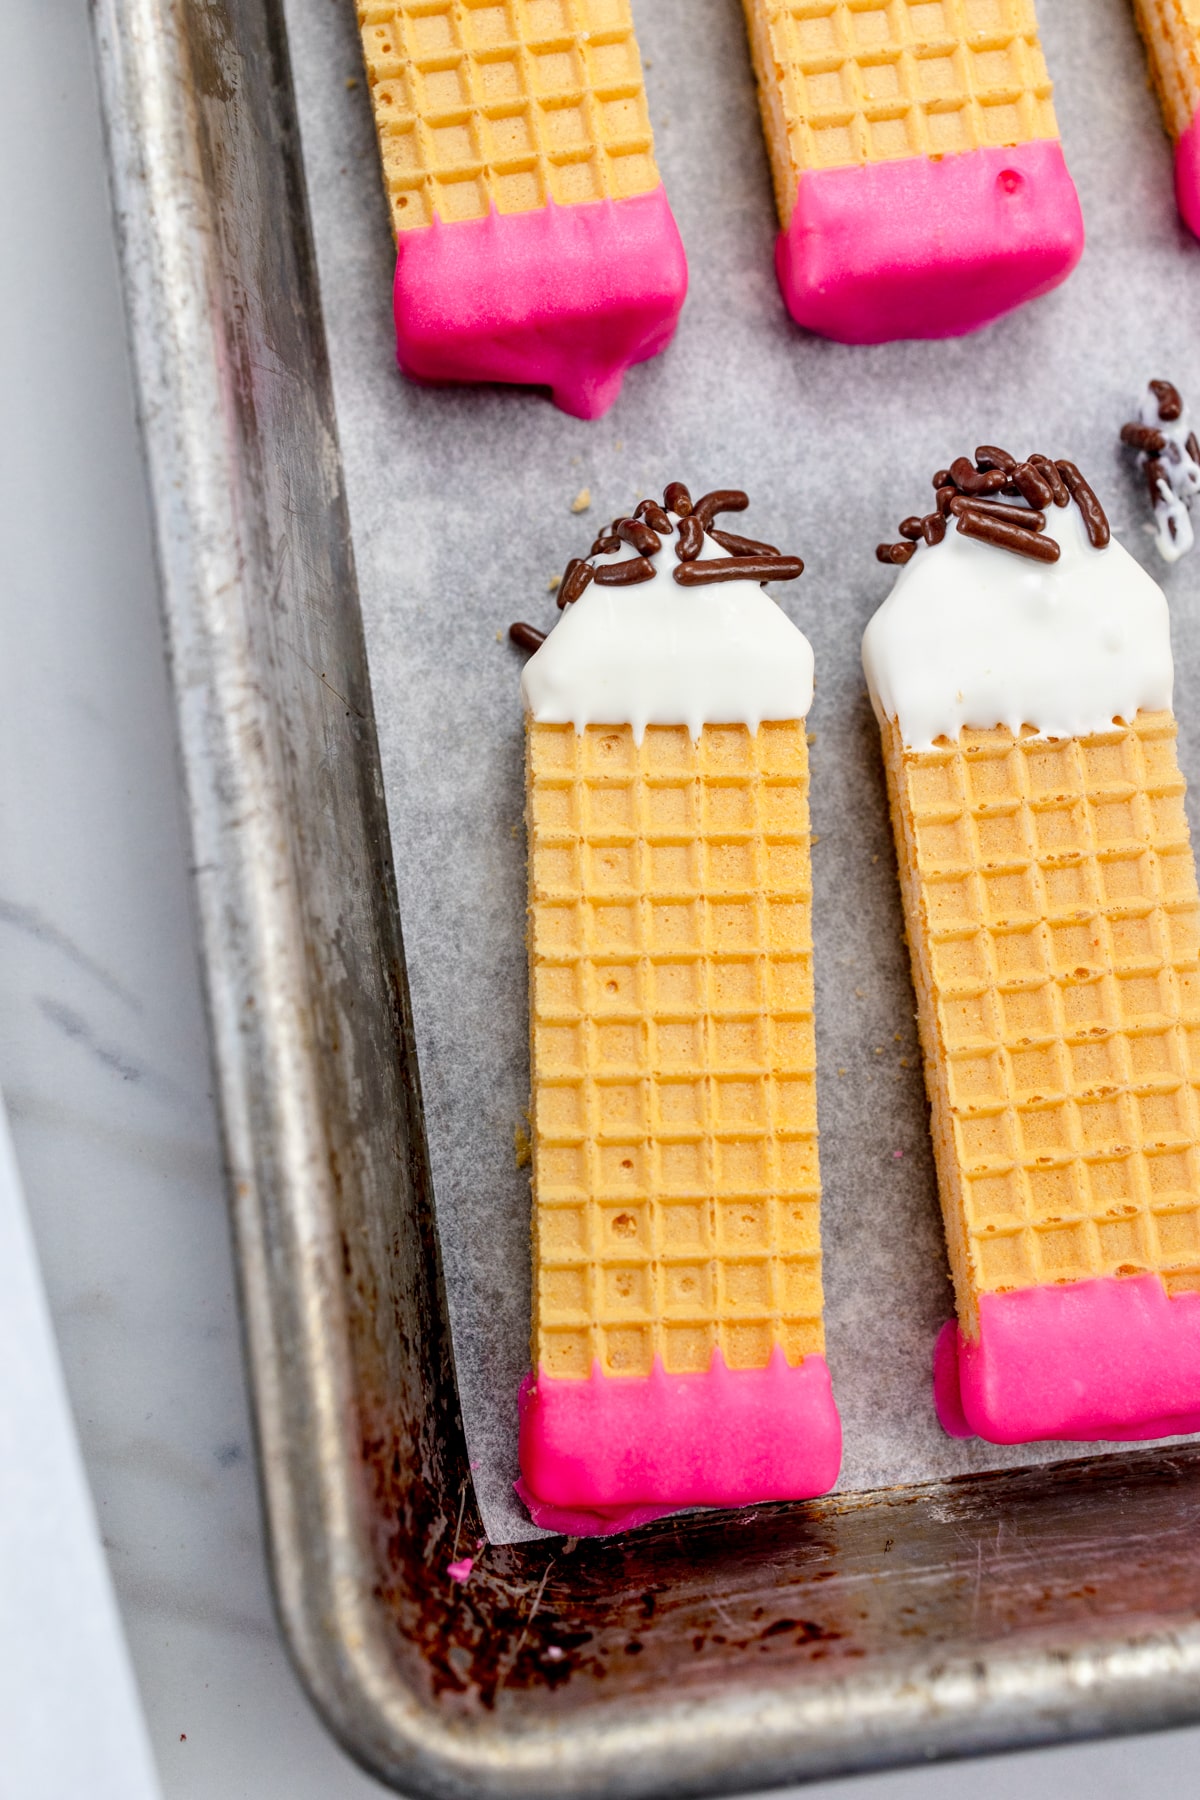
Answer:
(972, 635)
(658, 653)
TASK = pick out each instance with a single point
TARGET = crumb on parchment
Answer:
(582, 500)
(522, 1148)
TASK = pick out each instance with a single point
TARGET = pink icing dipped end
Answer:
(1187, 176)
(567, 297)
(925, 248)
(1114, 1359)
(612, 1452)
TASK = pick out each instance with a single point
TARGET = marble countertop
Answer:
(103, 1046)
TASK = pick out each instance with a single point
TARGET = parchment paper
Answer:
(461, 508)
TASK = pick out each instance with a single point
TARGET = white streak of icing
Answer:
(661, 654)
(972, 635)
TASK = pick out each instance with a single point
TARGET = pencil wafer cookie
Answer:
(918, 172)
(677, 1318)
(1053, 918)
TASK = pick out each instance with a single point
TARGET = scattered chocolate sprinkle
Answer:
(721, 500)
(973, 522)
(690, 541)
(605, 545)
(990, 456)
(1192, 447)
(741, 546)
(738, 568)
(1156, 471)
(1032, 485)
(945, 495)
(1046, 468)
(578, 574)
(528, 637)
(624, 574)
(1170, 404)
(895, 553)
(654, 515)
(911, 528)
(640, 535)
(933, 527)
(970, 480)
(1093, 513)
(942, 478)
(1143, 437)
(676, 499)
(994, 509)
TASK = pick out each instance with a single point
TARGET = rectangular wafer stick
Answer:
(918, 172)
(1171, 29)
(1053, 918)
(677, 1333)
(534, 240)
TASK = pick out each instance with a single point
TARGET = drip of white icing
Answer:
(973, 635)
(661, 654)
(1174, 537)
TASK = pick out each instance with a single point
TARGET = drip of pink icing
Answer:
(928, 247)
(565, 297)
(1187, 176)
(1117, 1358)
(610, 1452)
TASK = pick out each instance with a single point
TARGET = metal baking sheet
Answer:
(461, 506)
(704, 1654)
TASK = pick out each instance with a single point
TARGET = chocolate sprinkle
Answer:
(690, 541)
(740, 546)
(1170, 403)
(911, 528)
(1032, 485)
(629, 573)
(942, 478)
(1021, 516)
(607, 544)
(1046, 468)
(1143, 437)
(676, 499)
(989, 456)
(970, 480)
(933, 527)
(528, 637)
(895, 553)
(945, 495)
(654, 515)
(1093, 513)
(721, 500)
(738, 568)
(640, 535)
(973, 522)
(577, 576)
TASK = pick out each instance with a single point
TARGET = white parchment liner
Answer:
(461, 509)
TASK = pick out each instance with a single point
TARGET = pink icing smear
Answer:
(1187, 176)
(1113, 1359)
(928, 248)
(566, 297)
(613, 1452)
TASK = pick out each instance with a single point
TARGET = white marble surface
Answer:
(103, 1053)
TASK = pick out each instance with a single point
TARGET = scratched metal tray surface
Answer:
(707, 1654)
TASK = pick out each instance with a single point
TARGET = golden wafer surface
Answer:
(505, 103)
(1053, 919)
(676, 1184)
(1171, 29)
(843, 82)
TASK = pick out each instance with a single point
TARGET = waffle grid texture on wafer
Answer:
(676, 1186)
(914, 150)
(534, 240)
(1053, 920)
(1054, 923)
(1171, 29)
(677, 1335)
